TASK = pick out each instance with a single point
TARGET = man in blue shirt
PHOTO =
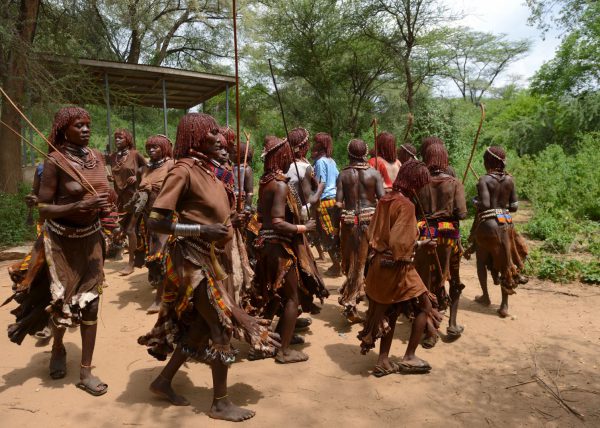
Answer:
(328, 225)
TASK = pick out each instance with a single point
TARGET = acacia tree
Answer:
(414, 32)
(13, 81)
(325, 56)
(476, 59)
(158, 32)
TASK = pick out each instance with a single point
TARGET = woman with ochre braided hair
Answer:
(160, 151)
(126, 165)
(65, 276)
(197, 317)
(386, 162)
(393, 286)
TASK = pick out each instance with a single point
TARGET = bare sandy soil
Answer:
(486, 378)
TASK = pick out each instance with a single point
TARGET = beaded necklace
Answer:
(81, 156)
(157, 164)
(121, 157)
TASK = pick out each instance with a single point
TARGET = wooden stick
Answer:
(409, 126)
(237, 104)
(287, 137)
(374, 125)
(474, 173)
(46, 140)
(246, 151)
(520, 384)
(482, 107)
(245, 161)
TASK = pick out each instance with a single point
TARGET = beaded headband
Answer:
(353, 156)
(495, 155)
(272, 149)
(298, 146)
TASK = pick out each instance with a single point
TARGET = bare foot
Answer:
(290, 356)
(353, 317)
(162, 387)
(224, 409)
(127, 270)
(503, 312)
(153, 309)
(483, 300)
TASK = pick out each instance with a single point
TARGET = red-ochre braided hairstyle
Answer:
(192, 131)
(428, 141)
(298, 137)
(129, 143)
(62, 119)
(386, 146)
(412, 176)
(229, 135)
(406, 152)
(163, 142)
(357, 150)
(436, 157)
(494, 158)
(323, 145)
(277, 154)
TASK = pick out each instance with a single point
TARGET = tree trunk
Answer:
(410, 86)
(135, 49)
(10, 150)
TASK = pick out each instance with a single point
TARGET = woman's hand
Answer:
(97, 202)
(239, 220)
(31, 200)
(131, 180)
(428, 244)
(311, 225)
(214, 232)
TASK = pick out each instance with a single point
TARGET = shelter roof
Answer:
(143, 84)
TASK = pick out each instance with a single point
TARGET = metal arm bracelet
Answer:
(187, 229)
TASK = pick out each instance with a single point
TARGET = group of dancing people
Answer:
(226, 268)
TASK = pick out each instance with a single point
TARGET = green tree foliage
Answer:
(331, 70)
(528, 123)
(183, 33)
(414, 32)
(475, 59)
(575, 70)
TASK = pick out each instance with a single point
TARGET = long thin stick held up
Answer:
(287, 137)
(59, 166)
(237, 107)
(82, 178)
(482, 107)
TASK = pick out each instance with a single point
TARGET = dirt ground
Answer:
(486, 378)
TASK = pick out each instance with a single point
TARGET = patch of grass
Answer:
(560, 269)
(590, 273)
(556, 230)
(13, 213)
